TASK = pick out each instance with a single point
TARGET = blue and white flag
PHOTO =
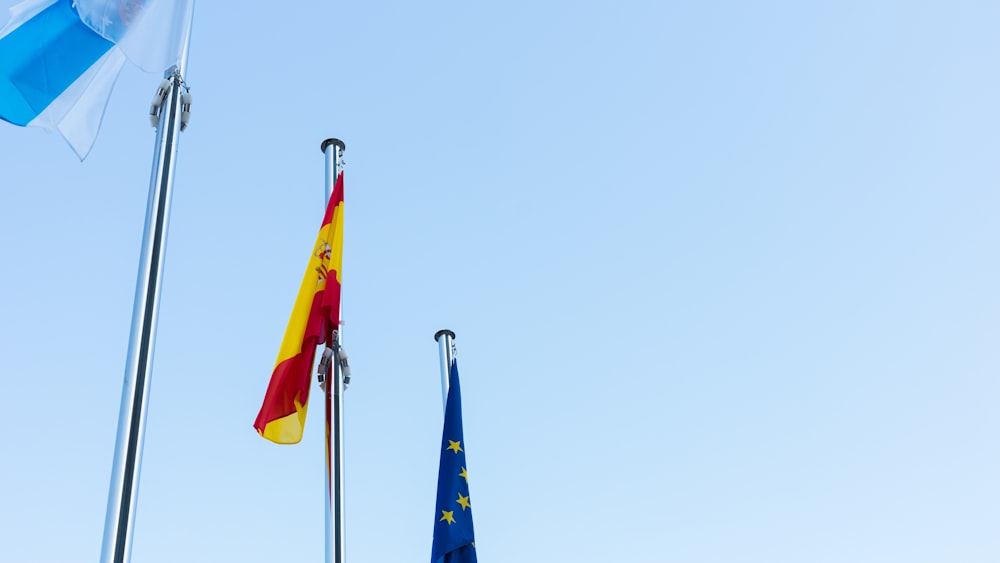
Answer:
(60, 58)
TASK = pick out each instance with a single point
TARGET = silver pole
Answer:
(118, 524)
(446, 349)
(336, 549)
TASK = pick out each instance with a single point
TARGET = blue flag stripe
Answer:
(42, 58)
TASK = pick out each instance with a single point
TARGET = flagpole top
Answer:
(331, 141)
(443, 332)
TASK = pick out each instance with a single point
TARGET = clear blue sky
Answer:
(724, 279)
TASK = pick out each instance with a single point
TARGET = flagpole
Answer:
(446, 348)
(335, 547)
(119, 521)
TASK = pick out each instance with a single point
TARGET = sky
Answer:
(723, 277)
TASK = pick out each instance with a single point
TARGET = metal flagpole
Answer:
(336, 550)
(171, 109)
(446, 348)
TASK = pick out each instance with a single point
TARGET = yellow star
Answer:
(454, 446)
(464, 474)
(448, 516)
(464, 501)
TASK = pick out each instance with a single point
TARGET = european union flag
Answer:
(454, 541)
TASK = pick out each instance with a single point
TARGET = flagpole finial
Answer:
(332, 141)
(443, 332)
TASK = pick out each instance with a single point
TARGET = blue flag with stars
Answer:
(454, 541)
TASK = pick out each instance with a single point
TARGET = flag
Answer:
(454, 541)
(60, 58)
(315, 316)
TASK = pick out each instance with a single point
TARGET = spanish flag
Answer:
(315, 316)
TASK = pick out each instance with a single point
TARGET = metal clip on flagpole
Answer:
(333, 390)
(446, 347)
(168, 110)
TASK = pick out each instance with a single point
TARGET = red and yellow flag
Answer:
(315, 316)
